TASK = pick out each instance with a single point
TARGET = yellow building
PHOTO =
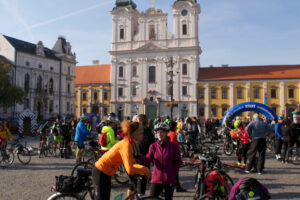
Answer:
(220, 88)
(93, 90)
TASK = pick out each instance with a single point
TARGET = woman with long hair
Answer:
(120, 154)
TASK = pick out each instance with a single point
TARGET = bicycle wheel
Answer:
(60, 196)
(50, 148)
(81, 165)
(7, 158)
(121, 176)
(228, 148)
(24, 156)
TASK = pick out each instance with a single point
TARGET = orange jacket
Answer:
(120, 154)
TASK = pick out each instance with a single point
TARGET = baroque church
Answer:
(153, 69)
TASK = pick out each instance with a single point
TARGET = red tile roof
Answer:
(249, 72)
(93, 74)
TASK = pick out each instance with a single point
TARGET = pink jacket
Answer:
(166, 160)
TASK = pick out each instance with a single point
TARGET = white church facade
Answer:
(141, 50)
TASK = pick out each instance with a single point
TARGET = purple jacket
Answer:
(235, 188)
(166, 160)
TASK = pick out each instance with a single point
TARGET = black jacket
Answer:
(286, 133)
(295, 131)
(142, 147)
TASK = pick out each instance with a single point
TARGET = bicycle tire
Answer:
(84, 165)
(121, 176)
(43, 152)
(50, 148)
(228, 148)
(60, 196)
(7, 162)
(24, 156)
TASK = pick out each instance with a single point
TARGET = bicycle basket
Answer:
(68, 184)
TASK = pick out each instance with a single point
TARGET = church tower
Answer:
(185, 19)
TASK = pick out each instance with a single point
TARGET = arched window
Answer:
(122, 33)
(184, 29)
(151, 74)
(184, 69)
(121, 72)
(69, 70)
(51, 86)
(39, 84)
(27, 82)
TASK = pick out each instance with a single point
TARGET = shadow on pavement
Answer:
(286, 195)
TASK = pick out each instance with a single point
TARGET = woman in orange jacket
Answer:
(120, 154)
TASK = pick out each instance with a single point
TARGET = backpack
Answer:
(251, 189)
(216, 183)
(68, 184)
(102, 140)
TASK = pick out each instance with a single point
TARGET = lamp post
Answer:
(170, 62)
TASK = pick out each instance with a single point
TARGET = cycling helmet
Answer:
(84, 118)
(112, 115)
(237, 123)
(162, 126)
(111, 119)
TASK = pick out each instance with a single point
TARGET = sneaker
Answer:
(239, 164)
(295, 158)
(247, 172)
(259, 173)
(244, 165)
(276, 156)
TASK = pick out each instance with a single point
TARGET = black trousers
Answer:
(278, 144)
(242, 152)
(157, 188)
(102, 183)
(257, 146)
(291, 145)
(285, 152)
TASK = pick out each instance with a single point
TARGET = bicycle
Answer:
(46, 147)
(7, 156)
(136, 178)
(85, 185)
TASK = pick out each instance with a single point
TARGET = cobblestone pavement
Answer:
(33, 182)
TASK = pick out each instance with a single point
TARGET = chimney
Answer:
(225, 65)
(211, 66)
(96, 62)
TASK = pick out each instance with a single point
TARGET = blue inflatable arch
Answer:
(250, 106)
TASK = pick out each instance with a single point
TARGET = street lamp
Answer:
(170, 62)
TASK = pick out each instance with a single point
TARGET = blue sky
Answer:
(234, 32)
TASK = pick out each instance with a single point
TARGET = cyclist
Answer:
(66, 132)
(56, 132)
(110, 134)
(172, 134)
(142, 147)
(166, 160)
(243, 145)
(43, 134)
(81, 136)
(278, 140)
(4, 135)
(119, 154)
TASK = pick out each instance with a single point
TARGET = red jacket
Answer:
(244, 136)
(173, 137)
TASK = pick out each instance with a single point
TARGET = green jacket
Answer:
(110, 137)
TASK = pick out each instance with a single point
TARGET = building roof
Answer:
(92, 74)
(249, 72)
(29, 48)
(125, 3)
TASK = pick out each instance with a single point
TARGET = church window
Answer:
(51, 86)
(51, 105)
(69, 70)
(27, 63)
(121, 72)
(151, 74)
(40, 66)
(184, 90)
(122, 33)
(152, 35)
(120, 92)
(184, 69)
(184, 29)
(68, 88)
(134, 90)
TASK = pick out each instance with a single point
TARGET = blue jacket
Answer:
(81, 132)
(277, 130)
